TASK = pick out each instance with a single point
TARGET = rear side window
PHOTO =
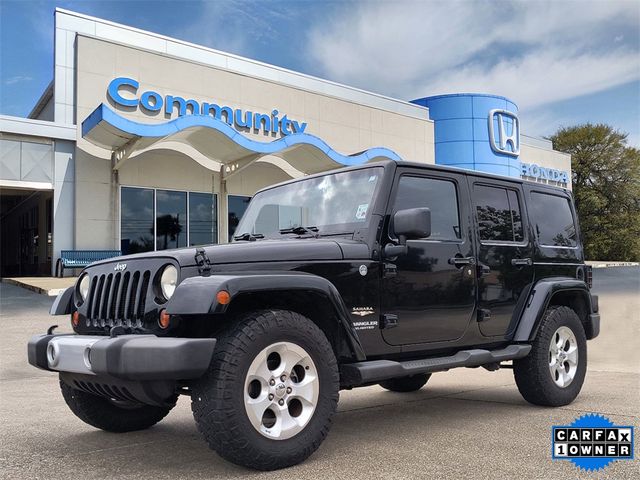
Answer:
(553, 221)
(439, 196)
(499, 214)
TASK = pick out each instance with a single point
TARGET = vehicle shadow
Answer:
(372, 421)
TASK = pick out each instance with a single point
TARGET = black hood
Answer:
(286, 250)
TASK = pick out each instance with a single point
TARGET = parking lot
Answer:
(467, 422)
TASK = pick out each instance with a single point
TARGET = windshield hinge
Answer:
(389, 270)
(204, 265)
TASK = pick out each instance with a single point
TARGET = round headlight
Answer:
(83, 287)
(168, 281)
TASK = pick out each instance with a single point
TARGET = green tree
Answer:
(606, 187)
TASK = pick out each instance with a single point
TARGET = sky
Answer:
(562, 62)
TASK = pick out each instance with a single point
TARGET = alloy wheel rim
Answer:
(563, 357)
(281, 390)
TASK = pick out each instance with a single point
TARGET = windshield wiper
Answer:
(248, 237)
(299, 230)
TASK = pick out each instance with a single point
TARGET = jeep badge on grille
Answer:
(120, 267)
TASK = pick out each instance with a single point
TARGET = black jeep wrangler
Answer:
(383, 273)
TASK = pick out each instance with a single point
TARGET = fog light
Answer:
(75, 319)
(164, 320)
(52, 354)
(223, 297)
(87, 356)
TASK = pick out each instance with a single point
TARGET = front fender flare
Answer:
(62, 305)
(197, 296)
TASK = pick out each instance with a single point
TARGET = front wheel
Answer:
(553, 372)
(270, 393)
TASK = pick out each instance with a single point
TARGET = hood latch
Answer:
(203, 262)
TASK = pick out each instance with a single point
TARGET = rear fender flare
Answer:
(539, 300)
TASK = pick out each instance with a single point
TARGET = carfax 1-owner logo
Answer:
(592, 442)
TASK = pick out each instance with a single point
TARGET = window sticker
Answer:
(361, 213)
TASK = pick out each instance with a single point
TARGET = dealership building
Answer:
(143, 142)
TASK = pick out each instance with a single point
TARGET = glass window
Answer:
(203, 219)
(237, 206)
(171, 215)
(499, 214)
(336, 203)
(136, 220)
(553, 220)
(516, 216)
(439, 196)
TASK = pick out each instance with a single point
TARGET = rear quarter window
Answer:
(498, 214)
(553, 220)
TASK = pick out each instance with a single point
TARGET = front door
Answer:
(432, 288)
(504, 254)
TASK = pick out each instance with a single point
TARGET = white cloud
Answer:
(17, 79)
(533, 52)
(541, 77)
(235, 25)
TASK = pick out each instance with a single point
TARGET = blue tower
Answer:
(475, 131)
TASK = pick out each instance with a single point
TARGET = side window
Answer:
(553, 220)
(438, 195)
(499, 214)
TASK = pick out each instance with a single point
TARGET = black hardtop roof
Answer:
(422, 166)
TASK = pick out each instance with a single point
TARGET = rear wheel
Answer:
(270, 393)
(111, 415)
(553, 372)
(406, 384)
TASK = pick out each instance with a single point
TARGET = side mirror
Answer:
(412, 224)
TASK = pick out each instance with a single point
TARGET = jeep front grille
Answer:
(118, 299)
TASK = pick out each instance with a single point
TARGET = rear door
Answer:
(432, 288)
(504, 251)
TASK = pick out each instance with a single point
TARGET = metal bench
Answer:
(82, 258)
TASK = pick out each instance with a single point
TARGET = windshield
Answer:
(334, 203)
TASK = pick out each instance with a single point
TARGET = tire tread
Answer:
(100, 413)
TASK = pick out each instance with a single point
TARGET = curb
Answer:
(597, 264)
(42, 291)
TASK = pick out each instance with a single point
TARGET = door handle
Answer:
(462, 261)
(520, 262)
(483, 270)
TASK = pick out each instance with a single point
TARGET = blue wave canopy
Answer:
(218, 141)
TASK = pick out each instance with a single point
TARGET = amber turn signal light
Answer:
(164, 320)
(223, 297)
(75, 318)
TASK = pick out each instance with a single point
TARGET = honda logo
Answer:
(504, 132)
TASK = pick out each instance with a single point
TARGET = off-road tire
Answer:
(218, 397)
(532, 375)
(102, 413)
(406, 384)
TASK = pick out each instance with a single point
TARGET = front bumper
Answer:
(127, 357)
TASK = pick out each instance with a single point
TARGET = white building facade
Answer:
(144, 142)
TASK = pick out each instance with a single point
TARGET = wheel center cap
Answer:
(280, 390)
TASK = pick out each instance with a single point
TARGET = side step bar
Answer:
(361, 373)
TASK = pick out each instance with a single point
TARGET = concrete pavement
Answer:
(467, 422)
